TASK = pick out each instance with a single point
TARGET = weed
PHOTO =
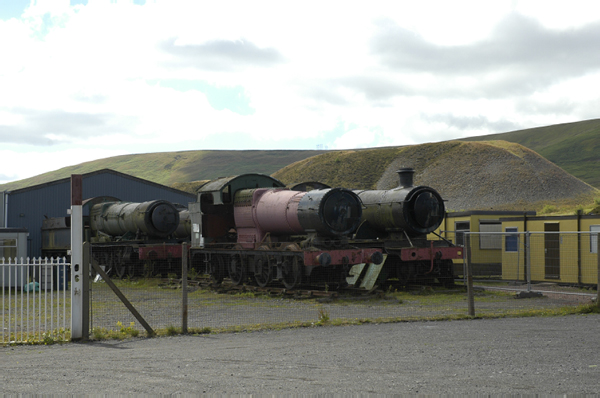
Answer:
(193, 273)
(172, 330)
(47, 339)
(322, 316)
(121, 334)
(129, 330)
(547, 209)
(98, 334)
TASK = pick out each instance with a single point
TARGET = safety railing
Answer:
(35, 300)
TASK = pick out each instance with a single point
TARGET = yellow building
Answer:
(484, 250)
(562, 249)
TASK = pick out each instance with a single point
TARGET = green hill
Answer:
(574, 147)
(170, 168)
(504, 172)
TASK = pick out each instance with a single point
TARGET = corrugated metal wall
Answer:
(29, 206)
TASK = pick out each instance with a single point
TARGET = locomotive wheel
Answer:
(236, 269)
(118, 267)
(104, 261)
(149, 268)
(130, 269)
(292, 272)
(217, 269)
(262, 271)
(446, 276)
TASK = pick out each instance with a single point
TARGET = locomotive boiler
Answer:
(138, 238)
(252, 226)
(153, 219)
(327, 213)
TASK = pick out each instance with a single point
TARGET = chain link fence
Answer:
(524, 274)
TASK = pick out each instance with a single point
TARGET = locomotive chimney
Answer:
(406, 177)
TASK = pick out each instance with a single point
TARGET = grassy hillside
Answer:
(575, 147)
(502, 173)
(359, 169)
(168, 168)
(491, 175)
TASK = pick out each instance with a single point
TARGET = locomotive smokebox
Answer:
(330, 212)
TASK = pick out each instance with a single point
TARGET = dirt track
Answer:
(556, 355)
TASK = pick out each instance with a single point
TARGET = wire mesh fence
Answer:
(565, 258)
(36, 301)
(512, 274)
(500, 277)
(550, 269)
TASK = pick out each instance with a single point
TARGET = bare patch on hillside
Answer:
(487, 175)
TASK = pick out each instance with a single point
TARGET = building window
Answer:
(460, 227)
(8, 248)
(511, 239)
(492, 239)
(594, 229)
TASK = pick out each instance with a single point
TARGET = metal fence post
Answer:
(470, 296)
(528, 259)
(76, 258)
(184, 277)
(598, 286)
(85, 291)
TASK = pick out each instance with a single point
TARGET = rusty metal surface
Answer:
(430, 253)
(342, 256)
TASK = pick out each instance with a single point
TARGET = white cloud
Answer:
(28, 164)
(99, 77)
(355, 138)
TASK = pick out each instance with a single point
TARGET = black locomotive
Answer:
(398, 221)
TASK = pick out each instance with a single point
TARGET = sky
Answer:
(82, 80)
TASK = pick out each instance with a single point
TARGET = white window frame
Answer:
(6, 248)
(493, 240)
(594, 230)
(460, 233)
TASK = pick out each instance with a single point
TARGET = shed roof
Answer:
(97, 172)
(230, 185)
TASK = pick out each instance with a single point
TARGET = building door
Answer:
(552, 250)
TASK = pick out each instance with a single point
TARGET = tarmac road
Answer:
(558, 355)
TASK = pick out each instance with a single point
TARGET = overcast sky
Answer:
(87, 79)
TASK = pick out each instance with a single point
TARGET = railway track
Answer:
(309, 293)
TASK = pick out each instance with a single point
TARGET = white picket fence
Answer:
(36, 300)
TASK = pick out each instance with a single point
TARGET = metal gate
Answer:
(36, 301)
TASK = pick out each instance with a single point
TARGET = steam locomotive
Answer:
(252, 226)
(252, 229)
(398, 222)
(249, 226)
(133, 239)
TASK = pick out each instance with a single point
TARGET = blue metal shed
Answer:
(28, 207)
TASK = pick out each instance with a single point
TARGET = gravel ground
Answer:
(162, 308)
(557, 355)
